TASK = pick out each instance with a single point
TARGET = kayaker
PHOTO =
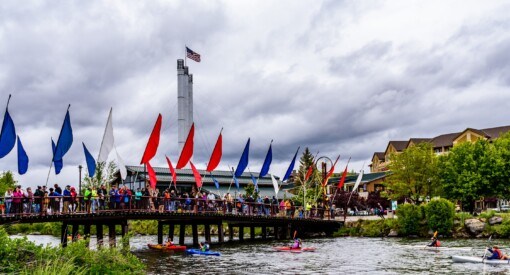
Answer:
(204, 246)
(169, 243)
(296, 244)
(497, 254)
(434, 242)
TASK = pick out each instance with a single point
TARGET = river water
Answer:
(348, 255)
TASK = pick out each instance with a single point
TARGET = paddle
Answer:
(485, 253)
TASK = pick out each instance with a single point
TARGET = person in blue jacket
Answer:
(496, 254)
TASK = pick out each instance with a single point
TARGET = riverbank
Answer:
(465, 225)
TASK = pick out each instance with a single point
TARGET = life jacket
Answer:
(437, 244)
(497, 251)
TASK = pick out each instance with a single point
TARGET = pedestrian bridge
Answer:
(272, 226)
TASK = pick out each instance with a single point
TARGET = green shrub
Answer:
(503, 230)
(409, 217)
(487, 215)
(462, 217)
(22, 256)
(440, 214)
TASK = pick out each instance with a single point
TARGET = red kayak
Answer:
(167, 248)
(294, 250)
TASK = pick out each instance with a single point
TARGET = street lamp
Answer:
(79, 188)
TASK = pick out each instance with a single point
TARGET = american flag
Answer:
(192, 55)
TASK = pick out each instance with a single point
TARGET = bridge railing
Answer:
(58, 205)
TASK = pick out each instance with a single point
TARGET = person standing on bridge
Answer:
(17, 197)
(102, 193)
(58, 190)
(38, 194)
(66, 199)
(112, 195)
(74, 200)
(87, 198)
(8, 200)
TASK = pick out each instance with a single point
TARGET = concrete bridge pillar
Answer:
(241, 233)
(182, 232)
(230, 233)
(220, 233)
(171, 229)
(194, 230)
(160, 232)
(207, 228)
(99, 234)
(63, 234)
(74, 232)
(112, 235)
(252, 232)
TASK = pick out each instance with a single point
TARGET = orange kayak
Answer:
(167, 248)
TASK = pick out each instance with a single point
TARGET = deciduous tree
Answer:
(413, 174)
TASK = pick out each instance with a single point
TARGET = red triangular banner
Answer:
(309, 172)
(330, 172)
(152, 175)
(196, 174)
(153, 143)
(187, 150)
(215, 156)
(344, 174)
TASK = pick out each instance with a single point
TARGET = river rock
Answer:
(393, 233)
(495, 220)
(474, 226)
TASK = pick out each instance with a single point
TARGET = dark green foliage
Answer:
(368, 228)
(440, 214)
(409, 217)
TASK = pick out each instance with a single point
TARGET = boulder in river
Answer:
(495, 220)
(474, 226)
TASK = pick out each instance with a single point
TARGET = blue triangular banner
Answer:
(91, 163)
(22, 158)
(243, 161)
(7, 135)
(58, 163)
(65, 139)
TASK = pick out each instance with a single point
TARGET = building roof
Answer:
(398, 144)
(445, 140)
(417, 140)
(495, 132)
(186, 175)
(379, 155)
(352, 178)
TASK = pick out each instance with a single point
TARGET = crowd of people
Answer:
(57, 200)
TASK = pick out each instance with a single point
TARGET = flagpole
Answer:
(185, 54)
(232, 180)
(8, 100)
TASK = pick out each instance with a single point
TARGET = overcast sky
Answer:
(339, 77)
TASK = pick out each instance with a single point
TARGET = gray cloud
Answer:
(338, 77)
